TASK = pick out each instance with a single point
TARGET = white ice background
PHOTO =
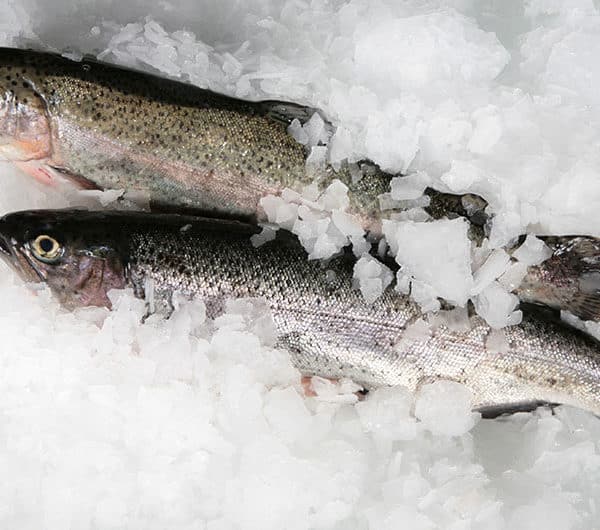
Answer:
(189, 424)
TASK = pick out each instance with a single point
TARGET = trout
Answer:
(321, 319)
(185, 148)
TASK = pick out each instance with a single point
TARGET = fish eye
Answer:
(46, 248)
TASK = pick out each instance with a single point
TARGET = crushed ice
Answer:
(189, 423)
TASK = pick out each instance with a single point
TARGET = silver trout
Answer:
(186, 148)
(320, 318)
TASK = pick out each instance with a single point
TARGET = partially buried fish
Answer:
(186, 148)
(320, 318)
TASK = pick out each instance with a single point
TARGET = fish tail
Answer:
(569, 280)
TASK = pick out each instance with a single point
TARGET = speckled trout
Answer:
(185, 148)
(320, 318)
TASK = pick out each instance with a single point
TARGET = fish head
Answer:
(24, 120)
(80, 264)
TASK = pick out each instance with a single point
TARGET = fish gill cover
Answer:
(188, 423)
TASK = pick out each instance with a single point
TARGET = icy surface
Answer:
(188, 423)
(106, 423)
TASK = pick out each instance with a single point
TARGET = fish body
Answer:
(185, 148)
(320, 318)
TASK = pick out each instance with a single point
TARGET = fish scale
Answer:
(320, 318)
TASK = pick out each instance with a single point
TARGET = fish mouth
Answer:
(4, 247)
(20, 261)
(27, 266)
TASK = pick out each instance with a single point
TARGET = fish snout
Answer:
(8, 252)
(7, 241)
(4, 247)
(14, 254)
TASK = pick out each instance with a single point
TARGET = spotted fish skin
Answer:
(184, 147)
(321, 319)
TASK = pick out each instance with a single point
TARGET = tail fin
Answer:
(569, 280)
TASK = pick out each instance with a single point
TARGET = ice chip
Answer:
(347, 224)
(444, 408)
(296, 130)
(461, 176)
(506, 226)
(316, 130)
(496, 264)
(533, 251)
(372, 277)
(409, 186)
(589, 326)
(387, 413)
(317, 157)
(436, 254)
(340, 145)
(104, 197)
(324, 247)
(425, 295)
(340, 391)
(286, 411)
(418, 331)
(513, 276)
(335, 197)
(496, 305)
(278, 211)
